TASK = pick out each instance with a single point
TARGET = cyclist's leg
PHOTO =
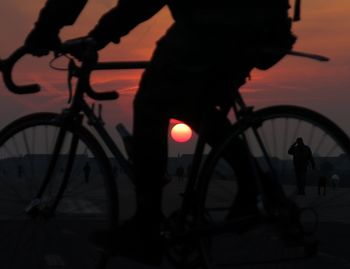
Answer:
(217, 129)
(150, 156)
(166, 92)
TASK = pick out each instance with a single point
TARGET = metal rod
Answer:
(121, 65)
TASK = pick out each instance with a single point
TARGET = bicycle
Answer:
(41, 160)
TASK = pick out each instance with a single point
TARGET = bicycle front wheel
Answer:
(40, 228)
(269, 133)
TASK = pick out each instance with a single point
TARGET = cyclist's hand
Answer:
(40, 43)
(79, 47)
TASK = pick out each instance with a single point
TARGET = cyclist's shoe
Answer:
(132, 240)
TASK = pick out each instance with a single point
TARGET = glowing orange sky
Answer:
(324, 29)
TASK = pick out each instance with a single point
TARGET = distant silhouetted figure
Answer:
(335, 180)
(302, 158)
(322, 184)
(326, 170)
(87, 172)
(202, 60)
(180, 173)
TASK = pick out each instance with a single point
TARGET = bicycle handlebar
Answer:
(6, 67)
(89, 63)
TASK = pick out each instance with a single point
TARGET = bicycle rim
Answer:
(276, 128)
(36, 238)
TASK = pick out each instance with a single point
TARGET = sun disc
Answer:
(181, 133)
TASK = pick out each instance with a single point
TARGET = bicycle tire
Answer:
(217, 187)
(89, 202)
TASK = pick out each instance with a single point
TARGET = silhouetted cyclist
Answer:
(205, 55)
(302, 158)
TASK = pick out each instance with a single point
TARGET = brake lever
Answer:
(72, 72)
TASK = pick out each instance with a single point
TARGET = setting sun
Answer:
(181, 133)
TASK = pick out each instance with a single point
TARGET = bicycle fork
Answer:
(36, 205)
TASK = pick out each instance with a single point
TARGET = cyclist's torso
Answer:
(205, 26)
(237, 13)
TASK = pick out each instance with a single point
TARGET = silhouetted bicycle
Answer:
(47, 208)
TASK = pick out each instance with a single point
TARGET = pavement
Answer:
(333, 232)
(259, 248)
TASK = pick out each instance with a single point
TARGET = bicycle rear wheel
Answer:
(33, 234)
(269, 132)
(279, 127)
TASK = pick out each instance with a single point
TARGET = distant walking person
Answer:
(302, 157)
(335, 179)
(322, 184)
(326, 169)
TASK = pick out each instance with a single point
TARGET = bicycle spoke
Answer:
(16, 147)
(274, 141)
(8, 151)
(46, 140)
(265, 139)
(317, 148)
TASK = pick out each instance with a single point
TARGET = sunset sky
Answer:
(324, 87)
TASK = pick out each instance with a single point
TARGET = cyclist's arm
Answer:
(59, 13)
(53, 16)
(120, 20)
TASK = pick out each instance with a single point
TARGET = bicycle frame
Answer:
(73, 115)
(79, 107)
